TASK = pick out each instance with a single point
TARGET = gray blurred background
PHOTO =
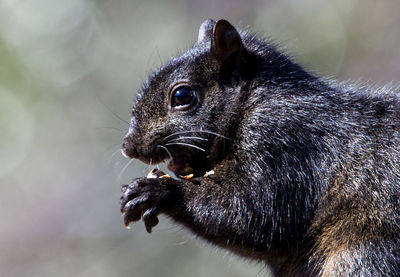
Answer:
(67, 66)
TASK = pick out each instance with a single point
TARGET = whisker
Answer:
(113, 146)
(177, 133)
(109, 156)
(125, 167)
(197, 131)
(111, 111)
(186, 144)
(150, 164)
(166, 150)
(110, 128)
(117, 151)
(181, 138)
(213, 133)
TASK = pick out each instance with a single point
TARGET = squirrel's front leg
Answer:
(146, 198)
(209, 206)
(202, 204)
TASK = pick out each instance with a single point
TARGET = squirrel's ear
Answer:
(226, 41)
(206, 30)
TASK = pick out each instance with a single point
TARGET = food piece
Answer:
(156, 173)
(208, 173)
(187, 177)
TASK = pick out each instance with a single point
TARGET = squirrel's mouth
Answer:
(187, 165)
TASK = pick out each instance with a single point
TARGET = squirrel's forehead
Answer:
(173, 72)
(180, 67)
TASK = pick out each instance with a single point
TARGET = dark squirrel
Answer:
(284, 166)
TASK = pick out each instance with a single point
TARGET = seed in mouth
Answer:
(187, 177)
(208, 173)
(156, 173)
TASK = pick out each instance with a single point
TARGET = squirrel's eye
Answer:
(183, 98)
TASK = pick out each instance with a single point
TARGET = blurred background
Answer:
(69, 70)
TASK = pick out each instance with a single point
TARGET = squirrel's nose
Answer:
(128, 149)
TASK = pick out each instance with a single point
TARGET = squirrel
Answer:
(272, 162)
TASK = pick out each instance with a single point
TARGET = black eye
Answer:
(183, 98)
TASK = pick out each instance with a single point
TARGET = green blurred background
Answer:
(67, 66)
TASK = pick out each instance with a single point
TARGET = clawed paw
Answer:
(144, 199)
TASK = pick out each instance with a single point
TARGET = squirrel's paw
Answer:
(144, 198)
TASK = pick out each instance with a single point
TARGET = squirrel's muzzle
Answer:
(129, 149)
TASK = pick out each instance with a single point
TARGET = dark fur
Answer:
(309, 179)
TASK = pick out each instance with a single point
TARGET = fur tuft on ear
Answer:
(206, 30)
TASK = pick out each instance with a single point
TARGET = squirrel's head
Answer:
(183, 110)
(189, 110)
